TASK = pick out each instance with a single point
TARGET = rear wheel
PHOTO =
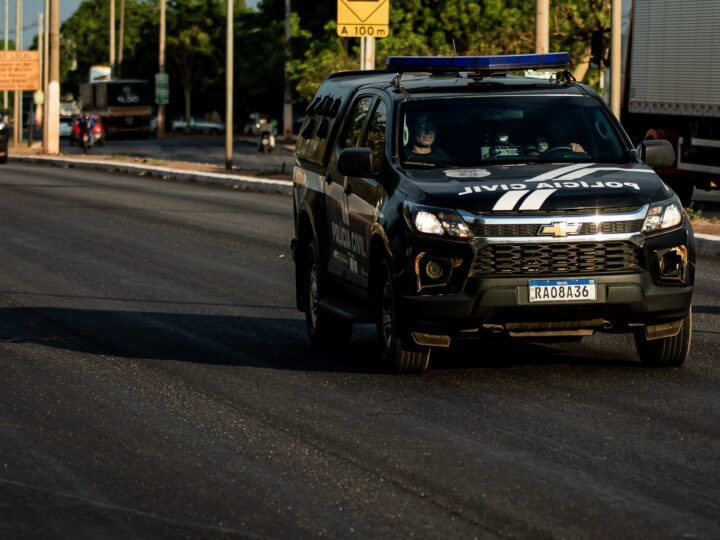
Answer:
(670, 351)
(398, 352)
(324, 329)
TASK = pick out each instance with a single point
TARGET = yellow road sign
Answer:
(19, 70)
(363, 18)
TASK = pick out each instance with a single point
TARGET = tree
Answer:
(85, 40)
(442, 27)
(192, 45)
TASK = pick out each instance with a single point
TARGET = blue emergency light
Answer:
(509, 62)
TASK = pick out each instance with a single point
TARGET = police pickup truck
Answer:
(447, 197)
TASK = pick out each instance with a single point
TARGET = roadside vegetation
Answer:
(701, 224)
(196, 43)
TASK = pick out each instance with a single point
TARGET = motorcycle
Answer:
(87, 140)
(87, 137)
(267, 142)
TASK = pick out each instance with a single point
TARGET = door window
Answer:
(357, 121)
(376, 135)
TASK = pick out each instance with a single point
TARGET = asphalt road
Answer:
(155, 382)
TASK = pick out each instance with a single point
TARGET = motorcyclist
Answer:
(267, 137)
(86, 128)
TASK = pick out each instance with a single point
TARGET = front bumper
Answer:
(642, 297)
(621, 300)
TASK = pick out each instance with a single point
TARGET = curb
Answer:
(234, 181)
(706, 244)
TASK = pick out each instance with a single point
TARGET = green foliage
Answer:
(196, 42)
(445, 27)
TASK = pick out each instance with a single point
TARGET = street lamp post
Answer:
(229, 88)
(287, 98)
(5, 28)
(615, 55)
(161, 68)
(53, 97)
(17, 112)
(112, 38)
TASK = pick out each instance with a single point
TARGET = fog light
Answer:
(672, 263)
(433, 270)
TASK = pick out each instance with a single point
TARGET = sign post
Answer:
(367, 20)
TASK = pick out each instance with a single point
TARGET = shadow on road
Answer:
(274, 343)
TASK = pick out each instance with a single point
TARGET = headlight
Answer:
(663, 216)
(435, 221)
(2, 125)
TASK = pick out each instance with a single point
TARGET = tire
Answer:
(324, 329)
(398, 353)
(665, 352)
(4, 158)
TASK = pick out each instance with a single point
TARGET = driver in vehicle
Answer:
(420, 144)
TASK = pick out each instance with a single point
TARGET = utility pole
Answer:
(46, 73)
(121, 38)
(53, 98)
(287, 98)
(615, 55)
(112, 39)
(161, 68)
(542, 26)
(17, 109)
(5, 28)
(229, 64)
(41, 37)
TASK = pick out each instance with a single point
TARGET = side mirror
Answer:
(355, 162)
(657, 153)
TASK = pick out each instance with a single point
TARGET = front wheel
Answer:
(324, 329)
(666, 352)
(397, 351)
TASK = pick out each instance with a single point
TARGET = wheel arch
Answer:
(305, 235)
(379, 250)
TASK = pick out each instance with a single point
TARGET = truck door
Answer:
(365, 196)
(344, 250)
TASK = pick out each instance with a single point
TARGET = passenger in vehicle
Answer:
(559, 135)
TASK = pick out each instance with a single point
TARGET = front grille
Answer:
(556, 258)
(531, 229)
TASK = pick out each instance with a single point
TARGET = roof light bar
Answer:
(510, 62)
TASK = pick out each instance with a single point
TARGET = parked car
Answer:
(98, 130)
(198, 125)
(66, 126)
(3, 137)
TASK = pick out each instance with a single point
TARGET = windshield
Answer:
(464, 132)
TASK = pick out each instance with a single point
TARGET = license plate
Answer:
(562, 290)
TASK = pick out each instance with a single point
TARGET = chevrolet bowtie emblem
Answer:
(559, 228)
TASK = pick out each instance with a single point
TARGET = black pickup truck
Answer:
(448, 198)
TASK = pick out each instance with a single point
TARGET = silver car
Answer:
(198, 125)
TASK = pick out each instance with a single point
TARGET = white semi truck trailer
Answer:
(672, 86)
